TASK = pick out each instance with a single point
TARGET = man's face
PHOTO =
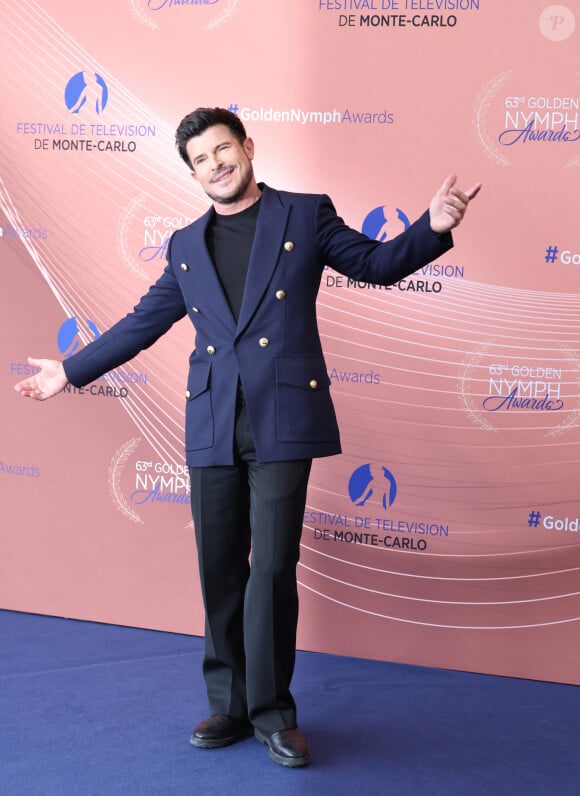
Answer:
(221, 164)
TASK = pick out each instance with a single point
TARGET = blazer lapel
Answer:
(268, 240)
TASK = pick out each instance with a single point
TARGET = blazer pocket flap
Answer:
(198, 379)
(309, 373)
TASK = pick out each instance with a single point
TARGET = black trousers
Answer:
(251, 602)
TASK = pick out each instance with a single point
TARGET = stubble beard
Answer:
(239, 194)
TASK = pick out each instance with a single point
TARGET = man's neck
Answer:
(249, 198)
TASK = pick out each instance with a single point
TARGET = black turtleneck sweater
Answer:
(229, 240)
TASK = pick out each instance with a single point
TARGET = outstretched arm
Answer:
(50, 380)
(449, 204)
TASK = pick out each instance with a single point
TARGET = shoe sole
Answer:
(288, 762)
(219, 743)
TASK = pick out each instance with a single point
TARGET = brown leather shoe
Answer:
(220, 730)
(286, 747)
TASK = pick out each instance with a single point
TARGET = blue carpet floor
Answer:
(98, 709)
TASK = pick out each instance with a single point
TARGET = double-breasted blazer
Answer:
(274, 347)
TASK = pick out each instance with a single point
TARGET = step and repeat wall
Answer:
(447, 533)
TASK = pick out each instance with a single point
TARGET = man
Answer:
(258, 407)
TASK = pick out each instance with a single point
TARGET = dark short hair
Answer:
(199, 120)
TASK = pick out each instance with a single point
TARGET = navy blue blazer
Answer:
(274, 348)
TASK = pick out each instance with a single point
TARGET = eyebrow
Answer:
(201, 156)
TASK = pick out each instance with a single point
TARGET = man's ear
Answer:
(248, 146)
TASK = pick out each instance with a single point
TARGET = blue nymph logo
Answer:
(385, 222)
(368, 479)
(86, 90)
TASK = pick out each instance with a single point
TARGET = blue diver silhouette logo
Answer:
(384, 222)
(86, 90)
(68, 338)
(368, 480)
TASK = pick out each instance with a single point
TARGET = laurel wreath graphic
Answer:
(227, 13)
(482, 105)
(125, 221)
(114, 479)
(224, 16)
(572, 163)
(135, 6)
(464, 390)
(573, 419)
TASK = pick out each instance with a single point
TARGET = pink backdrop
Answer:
(458, 390)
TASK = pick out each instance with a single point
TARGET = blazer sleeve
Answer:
(155, 313)
(380, 263)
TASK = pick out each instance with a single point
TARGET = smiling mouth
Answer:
(222, 175)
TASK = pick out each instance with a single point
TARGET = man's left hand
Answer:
(449, 204)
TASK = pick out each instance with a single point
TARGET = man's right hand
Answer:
(49, 380)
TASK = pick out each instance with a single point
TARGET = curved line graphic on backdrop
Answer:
(432, 624)
(437, 602)
(454, 555)
(520, 330)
